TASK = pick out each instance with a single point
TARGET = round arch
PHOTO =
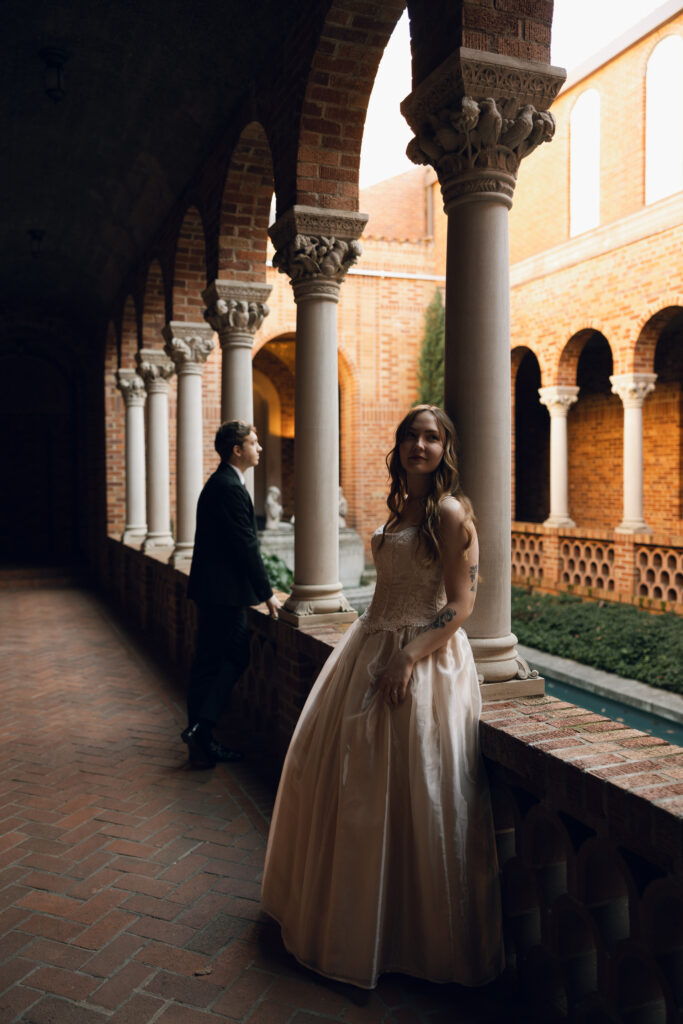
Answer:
(531, 440)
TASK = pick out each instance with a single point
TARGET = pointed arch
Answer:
(129, 332)
(343, 69)
(153, 306)
(245, 208)
(189, 269)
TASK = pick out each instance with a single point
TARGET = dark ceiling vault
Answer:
(148, 89)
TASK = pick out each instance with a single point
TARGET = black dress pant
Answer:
(221, 656)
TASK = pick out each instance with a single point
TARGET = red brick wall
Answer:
(114, 434)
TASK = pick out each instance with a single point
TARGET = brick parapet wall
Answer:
(588, 812)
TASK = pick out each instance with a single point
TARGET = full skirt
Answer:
(381, 855)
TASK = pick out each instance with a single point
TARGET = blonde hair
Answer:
(445, 482)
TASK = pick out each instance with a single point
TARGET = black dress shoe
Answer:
(199, 746)
(224, 754)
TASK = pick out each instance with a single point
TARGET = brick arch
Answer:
(568, 361)
(334, 105)
(245, 209)
(651, 330)
(153, 305)
(129, 332)
(189, 269)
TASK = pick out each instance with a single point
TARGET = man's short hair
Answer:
(229, 434)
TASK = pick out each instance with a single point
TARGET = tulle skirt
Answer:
(381, 855)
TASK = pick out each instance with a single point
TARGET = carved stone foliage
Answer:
(154, 366)
(477, 116)
(236, 307)
(633, 388)
(475, 135)
(558, 398)
(131, 386)
(236, 315)
(193, 349)
(187, 343)
(310, 256)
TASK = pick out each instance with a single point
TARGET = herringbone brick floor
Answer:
(129, 884)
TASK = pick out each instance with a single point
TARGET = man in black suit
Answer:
(227, 575)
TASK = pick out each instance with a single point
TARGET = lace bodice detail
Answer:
(407, 593)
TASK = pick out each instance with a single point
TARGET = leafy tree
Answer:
(430, 367)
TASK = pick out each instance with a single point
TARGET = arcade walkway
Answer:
(128, 883)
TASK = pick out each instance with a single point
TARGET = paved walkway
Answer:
(129, 884)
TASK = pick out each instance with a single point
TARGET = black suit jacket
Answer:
(226, 562)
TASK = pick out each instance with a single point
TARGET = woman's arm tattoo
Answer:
(474, 576)
(442, 618)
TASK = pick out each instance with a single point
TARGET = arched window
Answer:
(584, 163)
(663, 124)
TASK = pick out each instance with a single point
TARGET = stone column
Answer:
(315, 248)
(155, 368)
(557, 399)
(236, 310)
(188, 345)
(132, 387)
(633, 389)
(475, 117)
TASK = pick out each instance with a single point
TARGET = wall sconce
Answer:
(54, 60)
(36, 235)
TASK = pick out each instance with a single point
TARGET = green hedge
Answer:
(614, 637)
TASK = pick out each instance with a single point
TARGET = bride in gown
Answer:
(381, 854)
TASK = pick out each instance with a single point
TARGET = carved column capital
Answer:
(236, 310)
(155, 368)
(558, 398)
(315, 248)
(131, 386)
(633, 388)
(476, 117)
(188, 345)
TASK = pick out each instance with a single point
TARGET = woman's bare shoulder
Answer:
(452, 511)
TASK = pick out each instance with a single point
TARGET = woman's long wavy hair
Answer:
(445, 481)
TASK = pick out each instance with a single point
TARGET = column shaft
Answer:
(158, 471)
(188, 345)
(316, 248)
(316, 479)
(558, 399)
(136, 504)
(155, 369)
(189, 454)
(633, 389)
(132, 388)
(477, 390)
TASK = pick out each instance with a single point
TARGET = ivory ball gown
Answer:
(381, 855)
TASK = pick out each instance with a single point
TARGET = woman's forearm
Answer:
(446, 622)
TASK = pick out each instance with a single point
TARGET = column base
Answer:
(502, 670)
(134, 535)
(633, 526)
(181, 556)
(155, 541)
(314, 605)
(559, 522)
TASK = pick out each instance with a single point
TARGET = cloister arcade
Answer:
(202, 309)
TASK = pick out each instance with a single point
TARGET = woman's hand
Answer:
(392, 683)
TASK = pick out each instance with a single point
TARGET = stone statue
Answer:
(273, 508)
(343, 509)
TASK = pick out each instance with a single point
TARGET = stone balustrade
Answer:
(640, 569)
